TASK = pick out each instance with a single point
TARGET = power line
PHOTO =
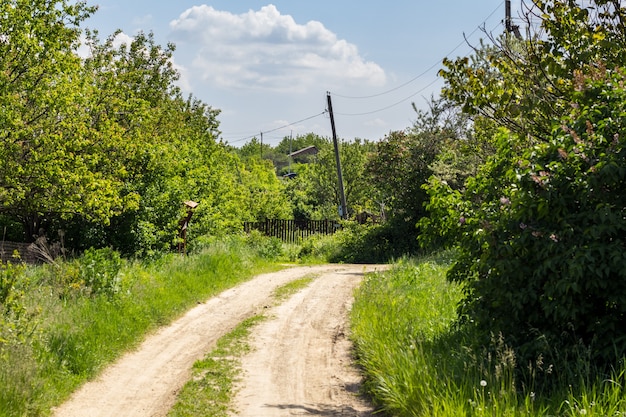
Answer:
(391, 105)
(415, 93)
(280, 127)
(382, 93)
(423, 73)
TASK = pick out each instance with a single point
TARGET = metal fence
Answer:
(7, 249)
(292, 231)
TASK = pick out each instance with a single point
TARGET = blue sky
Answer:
(268, 65)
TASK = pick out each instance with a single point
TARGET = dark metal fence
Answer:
(7, 249)
(292, 231)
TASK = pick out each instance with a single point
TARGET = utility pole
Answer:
(342, 194)
(261, 145)
(290, 151)
(508, 21)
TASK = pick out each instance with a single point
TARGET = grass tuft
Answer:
(210, 390)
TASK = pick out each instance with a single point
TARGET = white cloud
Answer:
(266, 50)
(122, 39)
(84, 51)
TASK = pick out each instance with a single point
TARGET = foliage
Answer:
(105, 147)
(440, 143)
(417, 363)
(398, 169)
(539, 228)
(270, 248)
(50, 158)
(314, 192)
(265, 194)
(100, 268)
(77, 336)
(13, 314)
(372, 243)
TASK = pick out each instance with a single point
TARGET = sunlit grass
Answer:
(417, 364)
(211, 388)
(76, 335)
(283, 292)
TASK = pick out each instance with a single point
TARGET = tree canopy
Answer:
(105, 147)
(540, 228)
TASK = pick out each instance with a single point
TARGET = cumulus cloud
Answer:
(122, 39)
(267, 50)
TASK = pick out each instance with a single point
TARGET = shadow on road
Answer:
(322, 410)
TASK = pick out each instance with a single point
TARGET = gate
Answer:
(292, 231)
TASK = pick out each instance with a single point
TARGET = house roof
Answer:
(309, 150)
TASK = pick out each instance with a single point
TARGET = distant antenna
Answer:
(508, 21)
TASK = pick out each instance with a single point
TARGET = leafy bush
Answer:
(318, 247)
(540, 233)
(266, 247)
(373, 243)
(13, 323)
(99, 268)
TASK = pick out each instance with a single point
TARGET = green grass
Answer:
(73, 333)
(211, 388)
(287, 290)
(417, 364)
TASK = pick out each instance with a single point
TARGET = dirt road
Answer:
(300, 363)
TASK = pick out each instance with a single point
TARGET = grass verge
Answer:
(73, 330)
(417, 363)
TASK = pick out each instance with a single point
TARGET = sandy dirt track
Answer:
(300, 364)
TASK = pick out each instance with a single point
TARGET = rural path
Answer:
(300, 363)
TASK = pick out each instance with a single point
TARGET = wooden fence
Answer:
(292, 231)
(26, 255)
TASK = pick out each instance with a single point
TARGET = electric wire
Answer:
(279, 128)
(367, 113)
(424, 72)
(382, 93)
(391, 105)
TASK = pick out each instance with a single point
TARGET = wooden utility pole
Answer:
(342, 194)
(290, 140)
(508, 21)
(261, 145)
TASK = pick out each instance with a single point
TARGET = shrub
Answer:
(99, 268)
(266, 247)
(15, 321)
(374, 243)
(541, 233)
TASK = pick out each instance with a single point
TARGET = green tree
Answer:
(539, 229)
(438, 143)
(50, 160)
(315, 190)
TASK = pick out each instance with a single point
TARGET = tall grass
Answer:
(80, 330)
(418, 364)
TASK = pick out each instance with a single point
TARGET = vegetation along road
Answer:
(300, 362)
